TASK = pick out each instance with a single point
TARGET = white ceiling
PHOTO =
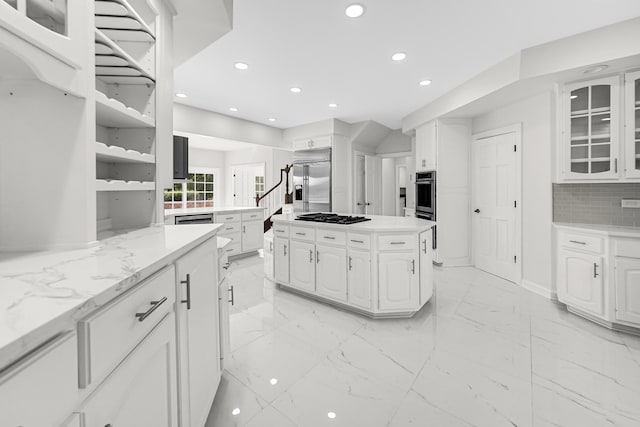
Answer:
(214, 143)
(334, 59)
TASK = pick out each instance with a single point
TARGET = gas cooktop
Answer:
(332, 218)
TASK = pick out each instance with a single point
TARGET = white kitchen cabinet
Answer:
(198, 318)
(252, 235)
(359, 279)
(225, 297)
(268, 256)
(632, 125)
(311, 143)
(141, 391)
(331, 272)
(590, 146)
(281, 255)
(426, 147)
(426, 266)
(303, 266)
(580, 280)
(398, 281)
(628, 289)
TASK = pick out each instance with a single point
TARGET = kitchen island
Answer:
(381, 267)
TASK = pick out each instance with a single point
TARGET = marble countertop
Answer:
(378, 223)
(222, 209)
(45, 293)
(611, 230)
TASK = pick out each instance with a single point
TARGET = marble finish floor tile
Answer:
(482, 352)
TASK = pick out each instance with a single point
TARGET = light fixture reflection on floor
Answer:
(331, 415)
(273, 381)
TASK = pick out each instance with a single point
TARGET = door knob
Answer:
(477, 211)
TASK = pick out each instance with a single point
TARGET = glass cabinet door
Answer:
(592, 142)
(632, 148)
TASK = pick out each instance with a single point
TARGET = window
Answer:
(259, 188)
(198, 192)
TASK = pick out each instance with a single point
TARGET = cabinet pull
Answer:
(279, 231)
(330, 237)
(398, 243)
(226, 266)
(350, 259)
(229, 217)
(310, 255)
(233, 295)
(615, 161)
(357, 241)
(188, 283)
(301, 234)
(413, 266)
(577, 242)
(154, 305)
(595, 270)
(424, 243)
(317, 257)
(285, 250)
(244, 229)
(270, 246)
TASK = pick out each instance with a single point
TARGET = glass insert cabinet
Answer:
(632, 136)
(591, 129)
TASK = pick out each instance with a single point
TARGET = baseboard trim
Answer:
(539, 289)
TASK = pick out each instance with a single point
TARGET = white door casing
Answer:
(496, 203)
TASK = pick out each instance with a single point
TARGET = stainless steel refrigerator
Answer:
(312, 180)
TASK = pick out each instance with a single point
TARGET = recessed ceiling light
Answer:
(425, 82)
(236, 411)
(234, 109)
(331, 415)
(273, 381)
(400, 56)
(295, 90)
(271, 119)
(241, 66)
(181, 95)
(354, 10)
(332, 105)
(595, 69)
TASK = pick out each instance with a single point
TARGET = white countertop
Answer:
(378, 223)
(45, 293)
(222, 209)
(611, 230)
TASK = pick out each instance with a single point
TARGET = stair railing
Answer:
(272, 199)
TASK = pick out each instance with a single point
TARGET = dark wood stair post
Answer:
(288, 196)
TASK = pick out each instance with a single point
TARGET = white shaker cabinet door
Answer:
(225, 298)
(580, 282)
(141, 391)
(398, 281)
(628, 290)
(359, 279)
(331, 273)
(252, 235)
(281, 255)
(426, 266)
(303, 266)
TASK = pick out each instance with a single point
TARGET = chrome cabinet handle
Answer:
(226, 266)
(279, 231)
(357, 241)
(233, 294)
(398, 243)
(424, 243)
(577, 242)
(188, 283)
(595, 270)
(616, 164)
(350, 260)
(285, 250)
(244, 229)
(301, 234)
(317, 257)
(154, 305)
(413, 266)
(329, 237)
(270, 246)
(310, 255)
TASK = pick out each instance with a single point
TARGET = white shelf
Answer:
(113, 113)
(114, 65)
(114, 154)
(120, 22)
(119, 185)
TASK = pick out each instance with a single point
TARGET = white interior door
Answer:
(244, 183)
(373, 171)
(495, 200)
(360, 185)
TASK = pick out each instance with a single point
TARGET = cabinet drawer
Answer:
(234, 247)
(280, 230)
(303, 233)
(627, 248)
(253, 216)
(42, 388)
(226, 218)
(107, 336)
(334, 237)
(362, 241)
(584, 242)
(397, 242)
(223, 264)
(229, 228)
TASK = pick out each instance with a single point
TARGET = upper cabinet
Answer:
(632, 135)
(591, 129)
(426, 147)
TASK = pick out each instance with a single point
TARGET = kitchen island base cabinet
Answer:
(426, 266)
(198, 323)
(281, 260)
(303, 267)
(141, 392)
(252, 235)
(359, 279)
(331, 268)
(628, 289)
(398, 281)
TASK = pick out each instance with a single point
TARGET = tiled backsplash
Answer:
(595, 204)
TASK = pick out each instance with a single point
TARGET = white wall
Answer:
(395, 142)
(537, 117)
